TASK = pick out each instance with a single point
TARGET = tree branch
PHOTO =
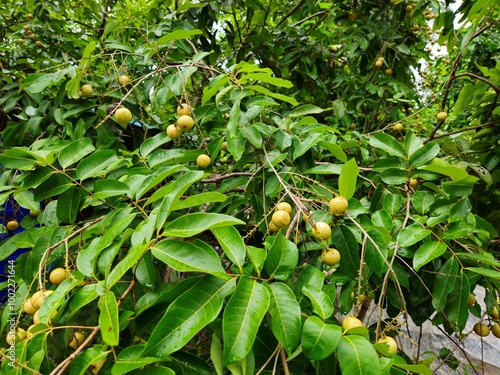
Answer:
(294, 9)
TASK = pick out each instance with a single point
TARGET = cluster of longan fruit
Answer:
(482, 329)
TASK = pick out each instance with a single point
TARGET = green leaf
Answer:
(485, 272)
(387, 143)
(95, 164)
(133, 255)
(285, 315)
(130, 358)
(85, 62)
(417, 369)
(357, 356)
(427, 252)
(75, 151)
(443, 285)
(376, 259)
(106, 188)
(192, 224)
(242, 318)
(422, 201)
(108, 319)
(394, 176)
(257, 257)
(412, 234)
(424, 154)
(464, 98)
(17, 158)
(56, 299)
(54, 185)
(462, 187)
(188, 314)
(319, 339)
(252, 134)
(213, 87)
(216, 354)
(199, 199)
(177, 35)
(232, 244)
(443, 167)
(271, 94)
(306, 109)
(267, 78)
(348, 247)
(321, 303)
(347, 179)
(86, 358)
(153, 143)
(69, 204)
(188, 257)
(336, 150)
(41, 83)
(282, 257)
(306, 144)
(457, 309)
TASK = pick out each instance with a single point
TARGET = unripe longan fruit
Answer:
(28, 307)
(123, 116)
(123, 80)
(413, 182)
(388, 71)
(284, 206)
(472, 300)
(281, 219)
(58, 275)
(321, 231)
(185, 122)
(393, 345)
(339, 206)
(495, 329)
(494, 313)
(351, 322)
(203, 161)
(398, 127)
(223, 146)
(330, 256)
(481, 329)
(174, 132)
(441, 116)
(87, 90)
(12, 225)
(37, 302)
(183, 110)
(77, 340)
(379, 63)
(273, 228)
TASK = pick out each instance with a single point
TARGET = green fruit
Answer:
(472, 300)
(87, 90)
(481, 329)
(77, 340)
(339, 206)
(321, 231)
(281, 219)
(223, 146)
(351, 322)
(330, 256)
(174, 132)
(393, 345)
(495, 329)
(123, 116)
(123, 80)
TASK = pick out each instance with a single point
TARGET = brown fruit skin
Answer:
(393, 345)
(339, 206)
(472, 300)
(388, 71)
(77, 340)
(494, 313)
(123, 80)
(273, 228)
(28, 307)
(185, 122)
(413, 182)
(281, 219)
(223, 146)
(38, 300)
(284, 206)
(441, 116)
(203, 161)
(321, 231)
(379, 63)
(330, 256)
(351, 322)
(12, 225)
(174, 132)
(481, 329)
(87, 90)
(123, 115)
(495, 329)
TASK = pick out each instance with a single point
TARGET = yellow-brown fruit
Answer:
(223, 146)
(87, 90)
(379, 63)
(273, 228)
(494, 313)
(35, 213)
(321, 231)
(123, 115)
(174, 132)
(38, 300)
(29, 16)
(495, 329)
(18, 336)
(339, 205)
(413, 182)
(481, 329)
(39, 44)
(12, 225)
(20, 41)
(281, 219)
(203, 161)
(388, 71)
(185, 122)
(330, 256)
(284, 206)
(77, 340)
(11, 338)
(441, 116)
(393, 345)
(31, 37)
(472, 300)
(123, 80)
(96, 367)
(398, 127)
(183, 109)
(28, 307)
(58, 275)
(351, 322)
